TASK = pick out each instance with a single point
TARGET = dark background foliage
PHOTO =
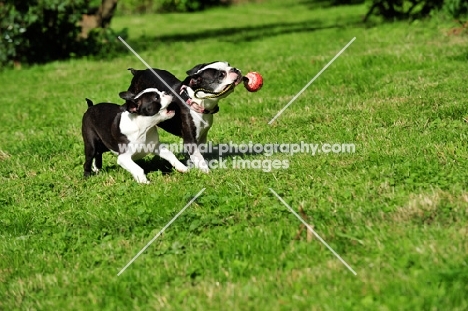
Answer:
(39, 31)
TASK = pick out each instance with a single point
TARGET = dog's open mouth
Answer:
(233, 84)
(225, 91)
(229, 87)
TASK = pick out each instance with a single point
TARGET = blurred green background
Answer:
(39, 31)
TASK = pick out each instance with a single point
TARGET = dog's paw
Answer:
(142, 180)
(181, 168)
(95, 168)
(197, 161)
(204, 168)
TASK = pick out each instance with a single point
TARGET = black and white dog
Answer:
(127, 130)
(200, 92)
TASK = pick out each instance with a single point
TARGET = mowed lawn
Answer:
(395, 210)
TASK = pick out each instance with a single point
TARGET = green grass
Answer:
(395, 210)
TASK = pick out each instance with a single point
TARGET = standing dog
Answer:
(201, 91)
(128, 130)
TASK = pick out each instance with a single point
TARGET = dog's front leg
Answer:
(196, 157)
(191, 147)
(125, 160)
(203, 138)
(198, 161)
(169, 156)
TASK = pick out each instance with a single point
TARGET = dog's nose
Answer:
(235, 70)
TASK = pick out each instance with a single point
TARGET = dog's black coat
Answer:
(195, 99)
(108, 115)
(181, 124)
(101, 126)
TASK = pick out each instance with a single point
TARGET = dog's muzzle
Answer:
(229, 88)
(194, 105)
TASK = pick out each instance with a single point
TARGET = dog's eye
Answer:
(222, 74)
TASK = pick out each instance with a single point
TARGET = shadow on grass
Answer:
(216, 153)
(152, 164)
(155, 163)
(315, 4)
(463, 57)
(158, 164)
(239, 34)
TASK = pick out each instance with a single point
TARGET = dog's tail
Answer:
(90, 102)
(133, 71)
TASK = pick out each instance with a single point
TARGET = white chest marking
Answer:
(200, 126)
(135, 127)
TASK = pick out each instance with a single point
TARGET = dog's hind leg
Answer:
(97, 163)
(90, 152)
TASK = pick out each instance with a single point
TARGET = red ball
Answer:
(254, 81)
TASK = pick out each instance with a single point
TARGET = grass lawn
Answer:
(396, 210)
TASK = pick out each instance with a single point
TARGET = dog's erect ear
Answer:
(127, 95)
(133, 71)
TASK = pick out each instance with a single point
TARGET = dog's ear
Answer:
(127, 95)
(194, 70)
(194, 81)
(133, 71)
(130, 104)
(131, 107)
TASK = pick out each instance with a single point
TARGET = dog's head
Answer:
(213, 80)
(148, 102)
